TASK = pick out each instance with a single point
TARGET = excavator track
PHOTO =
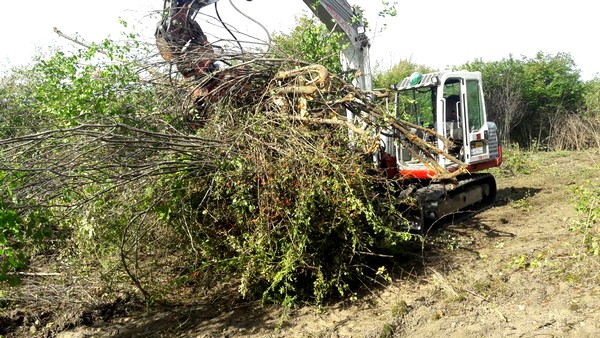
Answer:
(437, 204)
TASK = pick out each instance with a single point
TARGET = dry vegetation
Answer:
(575, 132)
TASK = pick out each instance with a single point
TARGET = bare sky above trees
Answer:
(437, 33)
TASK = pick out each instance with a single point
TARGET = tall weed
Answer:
(515, 161)
(587, 203)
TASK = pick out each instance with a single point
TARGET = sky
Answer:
(436, 33)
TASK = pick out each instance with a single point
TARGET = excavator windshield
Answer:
(417, 105)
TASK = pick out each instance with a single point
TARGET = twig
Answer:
(39, 274)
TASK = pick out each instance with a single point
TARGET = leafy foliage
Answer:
(397, 73)
(389, 9)
(19, 236)
(295, 227)
(72, 88)
(592, 98)
(19, 113)
(529, 97)
(313, 42)
(552, 84)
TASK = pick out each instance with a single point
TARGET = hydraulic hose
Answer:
(256, 22)
(227, 28)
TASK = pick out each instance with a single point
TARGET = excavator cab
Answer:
(452, 104)
(447, 110)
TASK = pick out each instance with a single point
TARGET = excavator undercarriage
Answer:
(436, 204)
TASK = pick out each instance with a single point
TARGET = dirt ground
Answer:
(514, 270)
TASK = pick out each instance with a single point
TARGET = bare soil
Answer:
(514, 270)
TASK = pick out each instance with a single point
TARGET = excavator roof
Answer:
(417, 80)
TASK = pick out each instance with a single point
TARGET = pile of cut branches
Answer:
(311, 95)
(274, 191)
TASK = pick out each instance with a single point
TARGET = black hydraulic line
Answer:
(256, 22)
(227, 28)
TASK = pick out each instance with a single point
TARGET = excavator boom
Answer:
(340, 16)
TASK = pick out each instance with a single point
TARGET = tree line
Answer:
(537, 102)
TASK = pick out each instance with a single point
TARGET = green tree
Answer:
(592, 98)
(310, 41)
(383, 79)
(552, 88)
(103, 79)
(18, 113)
(503, 81)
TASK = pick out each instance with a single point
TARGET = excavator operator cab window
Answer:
(453, 103)
(453, 115)
(473, 106)
(452, 108)
(475, 110)
(418, 106)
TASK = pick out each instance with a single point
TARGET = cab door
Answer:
(476, 136)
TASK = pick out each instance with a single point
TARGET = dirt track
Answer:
(515, 270)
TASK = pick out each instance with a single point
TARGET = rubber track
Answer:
(462, 215)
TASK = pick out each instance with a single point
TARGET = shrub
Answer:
(20, 236)
(516, 161)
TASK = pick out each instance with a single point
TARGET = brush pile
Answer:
(266, 186)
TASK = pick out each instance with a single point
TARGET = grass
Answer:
(516, 161)
(522, 203)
